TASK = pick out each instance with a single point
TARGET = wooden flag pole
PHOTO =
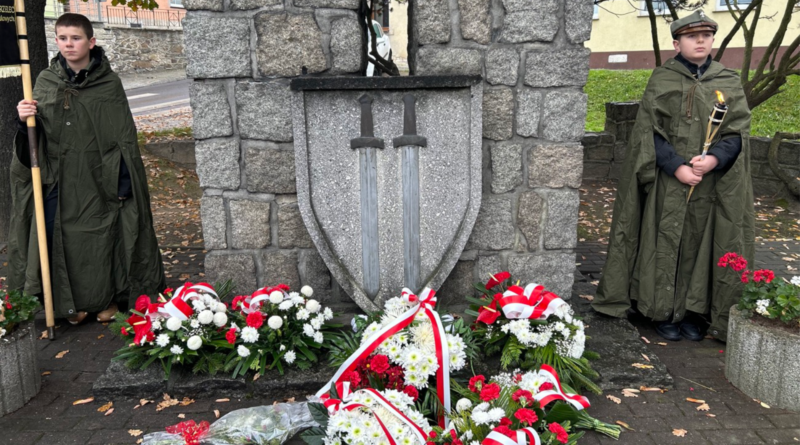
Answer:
(36, 173)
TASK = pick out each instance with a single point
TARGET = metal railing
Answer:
(118, 15)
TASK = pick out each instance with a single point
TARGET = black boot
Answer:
(690, 330)
(669, 331)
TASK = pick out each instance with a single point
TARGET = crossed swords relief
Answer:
(367, 145)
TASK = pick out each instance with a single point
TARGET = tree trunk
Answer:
(653, 31)
(10, 95)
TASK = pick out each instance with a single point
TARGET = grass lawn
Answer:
(780, 113)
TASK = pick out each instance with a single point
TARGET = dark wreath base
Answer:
(121, 382)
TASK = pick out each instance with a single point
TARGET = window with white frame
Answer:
(596, 14)
(722, 5)
(176, 3)
(659, 7)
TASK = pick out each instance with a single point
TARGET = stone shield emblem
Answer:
(388, 178)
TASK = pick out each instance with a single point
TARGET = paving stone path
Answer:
(697, 369)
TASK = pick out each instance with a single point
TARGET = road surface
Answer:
(158, 98)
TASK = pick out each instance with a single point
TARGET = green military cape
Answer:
(662, 252)
(104, 249)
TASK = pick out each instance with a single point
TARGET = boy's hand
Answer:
(26, 108)
(702, 166)
(685, 174)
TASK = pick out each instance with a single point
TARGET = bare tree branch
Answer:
(653, 30)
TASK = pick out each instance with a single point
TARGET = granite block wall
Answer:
(242, 55)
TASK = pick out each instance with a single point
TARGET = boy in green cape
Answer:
(662, 249)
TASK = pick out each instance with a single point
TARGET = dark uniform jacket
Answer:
(103, 249)
(662, 251)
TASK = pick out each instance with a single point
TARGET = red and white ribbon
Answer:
(179, 306)
(546, 372)
(524, 436)
(253, 302)
(425, 303)
(346, 403)
(532, 302)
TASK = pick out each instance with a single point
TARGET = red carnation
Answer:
(168, 290)
(411, 392)
(490, 392)
(505, 421)
(379, 363)
(150, 336)
(255, 319)
(559, 431)
(523, 395)
(231, 335)
(8, 305)
(432, 435)
(496, 279)
(504, 430)
(546, 386)
(353, 377)
(142, 303)
(457, 442)
(476, 383)
(526, 416)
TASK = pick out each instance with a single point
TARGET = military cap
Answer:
(697, 21)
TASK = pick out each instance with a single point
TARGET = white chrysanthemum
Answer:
(796, 280)
(156, 325)
(483, 406)
(468, 435)
(531, 381)
(276, 297)
(423, 337)
(205, 317)
(463, 404)
(162, 340)
(195, 323)
(308, 331)
(303, 314)
(282, 348)
(457, 361)
(297, 300)
(289, 357)
(275, 322)
(313, 306)
(286, 305)
(495, 414)
(198, 305)
(327, 313)
(194, 342)
(173, 324)
(316, 323)
(249, 335)
(480, 417)
(220, 309)
(318, 337)
(307, 291)
(220, 319)
(243, 351)
(564, 312)
(175, 349)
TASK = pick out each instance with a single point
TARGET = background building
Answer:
(621, 36)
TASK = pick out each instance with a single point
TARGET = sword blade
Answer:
(370, 254)
(411, 230)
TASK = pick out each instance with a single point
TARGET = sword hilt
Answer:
(409, 136)
(367, 138)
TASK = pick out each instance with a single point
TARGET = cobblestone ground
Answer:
(698, 368)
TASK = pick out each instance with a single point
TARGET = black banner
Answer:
(9, 49)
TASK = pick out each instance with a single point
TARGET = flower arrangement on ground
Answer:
(16, 307)
(406, 347)
(366, 417)
(275, 327)
(763, 294)
(529, 326)
(511, 408)
(184, 327)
